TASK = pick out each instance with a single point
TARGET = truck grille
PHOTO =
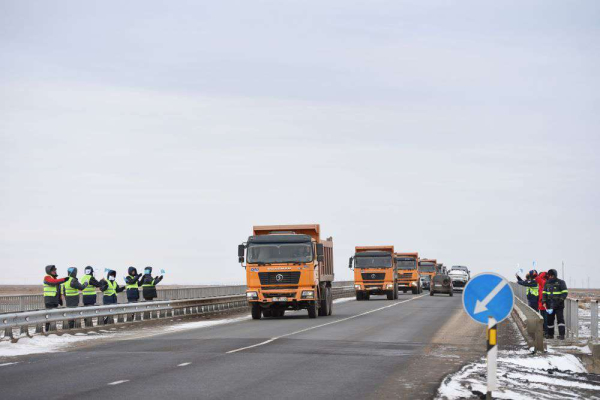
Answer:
(368, 276)
(270, 295)
(405, 276)
(279, 278)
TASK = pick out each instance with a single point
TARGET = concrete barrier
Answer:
(531, 325)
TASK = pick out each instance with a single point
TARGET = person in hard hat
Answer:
(89, 293)
(554, 296)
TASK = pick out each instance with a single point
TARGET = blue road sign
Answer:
(488, 295)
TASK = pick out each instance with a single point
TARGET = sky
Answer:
(159, 132)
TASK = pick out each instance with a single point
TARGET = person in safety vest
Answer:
(72, 287)
(555, 293)
(132, 281)
(532, 288)
(71, 290)
(110, 288)
(52, 290)
(149, 284)
(89, 293)
(52, 284)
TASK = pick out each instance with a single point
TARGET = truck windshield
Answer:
(406, 263)
(270, 253)
(427, 267)
(374, 262)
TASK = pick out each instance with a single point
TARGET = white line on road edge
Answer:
(6, 364)
(320, 326)
(118, 382)
(184, 364)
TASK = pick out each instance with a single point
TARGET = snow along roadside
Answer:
(54, 343)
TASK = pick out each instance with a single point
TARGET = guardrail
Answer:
(594, 319)
(572, 318)
(15, 325)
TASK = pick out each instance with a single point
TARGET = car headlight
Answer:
(308, 294)
(390, 286)
(357, 287)
(252, 295)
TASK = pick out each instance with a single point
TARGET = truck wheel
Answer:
(451, 293)
(277, 313)
(324, 309)
(367, 295)
(330, 297)
(359, 296)
(312, 310)
(256, 311)
(390, 295)
(268, 313)
(415, 291)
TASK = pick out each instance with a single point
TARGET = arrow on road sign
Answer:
(481, 306)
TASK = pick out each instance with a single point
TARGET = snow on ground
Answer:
(525, 376)
(55, 343)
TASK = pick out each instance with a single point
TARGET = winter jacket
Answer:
(555, 293)
(133, 282)
(90, 299)
(149, 285)
(73, 283)
(52, 280)
(110, 298)
(541, 280)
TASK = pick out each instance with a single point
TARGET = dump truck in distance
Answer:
(374, 272)
(288, 267)
(408, 272)
(428, 269)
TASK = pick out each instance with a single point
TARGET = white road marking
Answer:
(118, 382)
(322, 325)
(6, 364)
(184, 364)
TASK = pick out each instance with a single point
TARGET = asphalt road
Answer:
(368, 349)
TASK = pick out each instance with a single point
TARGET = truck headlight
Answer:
(308, 294)
(357, 287)
(413, 283)
(252, 295)
(390, 286)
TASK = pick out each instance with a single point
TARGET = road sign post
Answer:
(488, 299)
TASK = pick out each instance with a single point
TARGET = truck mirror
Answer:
(350, 263)
(320, 252)
(241, 259)
(241, 249)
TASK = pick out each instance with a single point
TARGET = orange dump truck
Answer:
(374, 272)
(288, 267)
(408, 272)
(427, 269)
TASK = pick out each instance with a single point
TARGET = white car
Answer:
(459, 278)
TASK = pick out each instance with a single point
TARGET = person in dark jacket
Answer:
(532, 288)
(71, 290)
(554, 295)
(110, 288)
(132, 281)
(52, 290)
(89, 293)
(149, 284)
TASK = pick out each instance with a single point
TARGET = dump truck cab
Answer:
(408, 272)
(428, 268)
(288, 267)
(374, 272)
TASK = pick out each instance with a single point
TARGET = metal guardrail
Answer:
(15, 325)
(594, 319)
(31, 302)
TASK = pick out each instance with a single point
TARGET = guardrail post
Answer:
(594, 319)
(576, 318)
(568, 317)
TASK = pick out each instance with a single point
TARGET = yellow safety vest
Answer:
(68, 290)
(49, 290)
(89, 290)
(112, 288)
(132, 285)
(151, 284)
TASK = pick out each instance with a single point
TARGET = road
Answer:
(368, 349)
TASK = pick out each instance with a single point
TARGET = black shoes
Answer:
(561, 337)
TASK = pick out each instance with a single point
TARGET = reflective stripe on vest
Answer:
(50, 291)
(89, 290)
(112, 288)
(151, 284)
(132, 285)
(68, 290)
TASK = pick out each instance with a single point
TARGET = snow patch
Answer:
(41, 344)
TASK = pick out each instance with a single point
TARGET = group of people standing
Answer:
(546, 294)
(70, 287)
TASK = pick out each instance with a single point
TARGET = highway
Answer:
(368, 349)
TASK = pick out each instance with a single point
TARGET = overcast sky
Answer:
(157, 133)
